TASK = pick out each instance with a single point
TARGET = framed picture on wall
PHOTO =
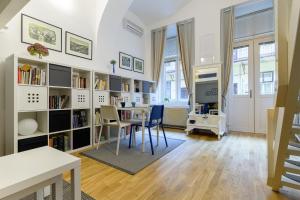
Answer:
(138, 65)
(125, 61)
(78, 46)
(37, 31)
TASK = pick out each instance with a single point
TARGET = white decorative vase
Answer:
(27, 126)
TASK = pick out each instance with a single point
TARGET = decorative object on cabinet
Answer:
(37, 31)
(113, 62)
(125, 61)
(138, 65)
(206, 113)
(38, 49)
(27, 126)
(78, 46)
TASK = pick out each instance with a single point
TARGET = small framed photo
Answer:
(78, 46)
(125, 61)
(37, 31)
(138, 65)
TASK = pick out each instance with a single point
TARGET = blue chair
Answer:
(156, 119)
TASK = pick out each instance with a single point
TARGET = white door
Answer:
(241, 104)
(264, 50)
(251, 90)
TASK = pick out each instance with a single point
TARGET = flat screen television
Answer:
(206, 92)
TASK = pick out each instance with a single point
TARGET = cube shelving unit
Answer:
(33, 101)
(64, 100)
(108, 87)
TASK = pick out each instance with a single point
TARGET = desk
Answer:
(24, 173)
(144, 111)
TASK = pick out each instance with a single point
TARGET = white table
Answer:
(30, 171)
(143, 111)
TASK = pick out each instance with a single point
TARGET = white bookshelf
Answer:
(25, 101)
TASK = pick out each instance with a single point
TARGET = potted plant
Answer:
(113, 62)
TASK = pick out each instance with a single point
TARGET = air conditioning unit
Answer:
(133, 28)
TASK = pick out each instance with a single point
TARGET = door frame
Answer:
(253, 77)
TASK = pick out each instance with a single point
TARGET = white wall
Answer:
(98, 20)
(207, 22)
(114, 39)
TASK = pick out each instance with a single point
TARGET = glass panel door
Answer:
(267, 68)
(240, 71)
(264, 55)
(241, 105)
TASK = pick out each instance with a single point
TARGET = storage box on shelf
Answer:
(40, 92)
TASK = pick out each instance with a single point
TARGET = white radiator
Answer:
(175, 117)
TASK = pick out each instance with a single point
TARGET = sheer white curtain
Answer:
(227, 38)
(158, 37)
(186, 41)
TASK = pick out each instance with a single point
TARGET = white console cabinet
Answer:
(206, 113)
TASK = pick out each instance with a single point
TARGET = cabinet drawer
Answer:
(115, 83)
(80, 99)
(101, 98)
(32, 98)
(59, 76)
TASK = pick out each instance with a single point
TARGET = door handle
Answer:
(250, 93)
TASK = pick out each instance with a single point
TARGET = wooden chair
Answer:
(110, 117)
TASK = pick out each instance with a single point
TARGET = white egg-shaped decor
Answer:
(27, 126)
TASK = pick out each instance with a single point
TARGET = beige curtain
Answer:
(227, 38)
(186, 41)
(158, 37)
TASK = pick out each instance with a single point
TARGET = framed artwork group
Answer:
(131, 63)
(37, 31)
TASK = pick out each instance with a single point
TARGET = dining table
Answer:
(144, 110)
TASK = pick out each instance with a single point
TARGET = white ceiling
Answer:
(152, 11)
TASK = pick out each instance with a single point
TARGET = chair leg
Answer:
(130, 136)
(157, 136)
(99, 139)
(162, 127)
(150, 137)
(118, 142)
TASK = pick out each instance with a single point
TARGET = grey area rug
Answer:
(132, 160)
(66, 195)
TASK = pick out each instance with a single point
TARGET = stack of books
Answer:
(31, 75)
(79, 81)
(58, 102)
(60, 142)
(80, 119)
(100, 84)
(115, 100)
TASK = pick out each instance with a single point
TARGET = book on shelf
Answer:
(79, 81)
(80, 119)
(31, 75)
(100, 84)
(60, 142)
(58, 102)
(115, 100)
(125, 87)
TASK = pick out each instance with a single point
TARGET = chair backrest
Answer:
(109, 113)
(157, 114)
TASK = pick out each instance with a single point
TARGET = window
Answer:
(172, 84)
(240, 71)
